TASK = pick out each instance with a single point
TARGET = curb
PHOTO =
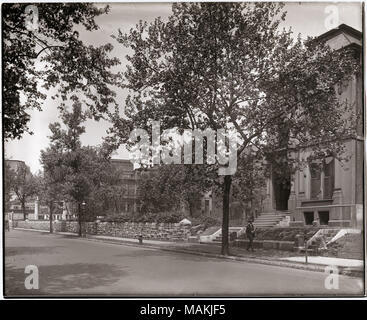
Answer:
(347, 271)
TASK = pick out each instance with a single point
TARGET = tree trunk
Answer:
(225, 222)
(23, 210)
(79, 220)
(51, 218)
(191, 210)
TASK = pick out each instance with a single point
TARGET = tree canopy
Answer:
(51, 55)
(21, 183)
(230, 66)
(172, 188)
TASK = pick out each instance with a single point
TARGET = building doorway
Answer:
(282, 189)
(206, 207)
(324, 217)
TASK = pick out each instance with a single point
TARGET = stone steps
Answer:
(218, 238)
(269, 219)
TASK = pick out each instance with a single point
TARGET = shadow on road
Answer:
(63, 279)
(15, 251)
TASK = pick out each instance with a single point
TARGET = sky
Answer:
(307, 19)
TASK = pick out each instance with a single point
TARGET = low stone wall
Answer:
(266, 244)
(158, 231)
(161, 231)
(36, 224)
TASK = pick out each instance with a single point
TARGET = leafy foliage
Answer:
(172, 187)
(66, 62)
(9, 176)
(70, 170)
(80, 174)
(110, 195)
(157, 217)
(227, 65)
(20, 182)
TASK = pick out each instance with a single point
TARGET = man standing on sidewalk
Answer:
(250, 233)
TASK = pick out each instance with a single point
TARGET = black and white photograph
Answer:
(183, 150)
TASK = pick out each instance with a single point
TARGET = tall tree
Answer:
(68, 165)
(228, 65)
(41, 48)
(9, 176)
(172, 187)
(110, 195)
(49, 183)
(23, 184)
(249, 180)
(156, 190)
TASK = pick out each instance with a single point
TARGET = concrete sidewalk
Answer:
(328, 261)
(348, 267)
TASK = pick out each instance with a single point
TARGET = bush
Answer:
(206, 221)
(283, 234)
(146, 217)
(118, 218)
(170, 218)
(163, 217)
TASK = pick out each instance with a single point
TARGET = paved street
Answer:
(71, 266)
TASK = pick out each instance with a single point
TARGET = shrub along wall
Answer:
(161, 231)
(283, 234)
(266, 244)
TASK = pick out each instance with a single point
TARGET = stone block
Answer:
(268, 244)
(286, 245)
(193, 239)
(296, 224)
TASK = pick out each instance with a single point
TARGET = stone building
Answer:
(333, 195)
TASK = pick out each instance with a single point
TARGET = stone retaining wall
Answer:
(158, 231)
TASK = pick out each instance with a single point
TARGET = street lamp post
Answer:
(83, 218)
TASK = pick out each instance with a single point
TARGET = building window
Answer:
(315, 180)
(309, 217)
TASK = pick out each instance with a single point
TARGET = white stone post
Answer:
(64, 211)
(322, 183)
(292, 197)
(36, 209)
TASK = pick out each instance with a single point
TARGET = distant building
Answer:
(14, 205)
(14, 164)
(129, 179)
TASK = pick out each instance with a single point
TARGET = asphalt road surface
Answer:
(71, 266)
